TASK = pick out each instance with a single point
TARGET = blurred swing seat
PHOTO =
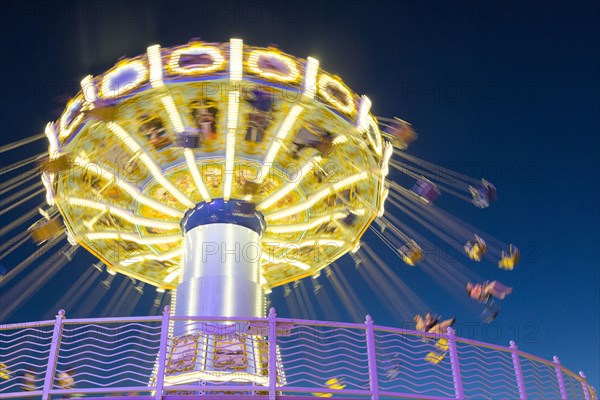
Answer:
(490, 312)
(510, 259)
(484, 194)
(426, 190)
(442, 344)
(411, 253)
(435, 358)
(476, 249)
(44, 230)
(332, 383)
(401, 133)
(4, 372)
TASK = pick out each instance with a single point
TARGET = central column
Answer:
(220, 278)
(221, 261)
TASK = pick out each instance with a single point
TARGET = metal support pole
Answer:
(162, 353)
(272, 354)
(53, 355)
(559, 378)
(456, 377)
(584, 384)
(518, 371)
(372, 359)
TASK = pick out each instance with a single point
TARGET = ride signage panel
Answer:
(230, 352)
(184, 353)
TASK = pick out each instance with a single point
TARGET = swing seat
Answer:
(411, 253)
(508, 261)
(476, 249)
(434, 358)
(44, 230)
(402, 134)
(442, 344)
(489, 190)
(392, 373)
(490, 312)
(332, 383)
(426, 190)
(4, 372)
(335, 384)
(479, 198)
(484, 194)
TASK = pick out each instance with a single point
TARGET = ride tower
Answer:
(217, 171)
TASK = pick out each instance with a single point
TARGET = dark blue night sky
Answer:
(503, 90)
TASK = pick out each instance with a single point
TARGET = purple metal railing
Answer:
(496, 380)
(108, 356)
(402, 367)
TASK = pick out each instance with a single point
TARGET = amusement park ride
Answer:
(219, 171)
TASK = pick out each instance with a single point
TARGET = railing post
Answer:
(53, 355)
(518, 371)
(559, 378)
(162, 353)
(586, 390)
(456, 377)
(372, 359)
(272, 354)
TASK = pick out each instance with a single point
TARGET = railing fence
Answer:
(107, 356)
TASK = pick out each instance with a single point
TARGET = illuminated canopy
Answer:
(162, 132)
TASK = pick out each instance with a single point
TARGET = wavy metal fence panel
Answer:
(405, 364)
(573, 385)
(488, 372)
(316, 353)
(540, 379)
(24, 351)
(108, 355)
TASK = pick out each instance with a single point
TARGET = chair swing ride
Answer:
(202, 141)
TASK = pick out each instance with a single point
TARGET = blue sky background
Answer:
(507, 90)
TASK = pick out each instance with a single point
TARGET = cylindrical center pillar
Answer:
(220, 277)
(221, 261)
